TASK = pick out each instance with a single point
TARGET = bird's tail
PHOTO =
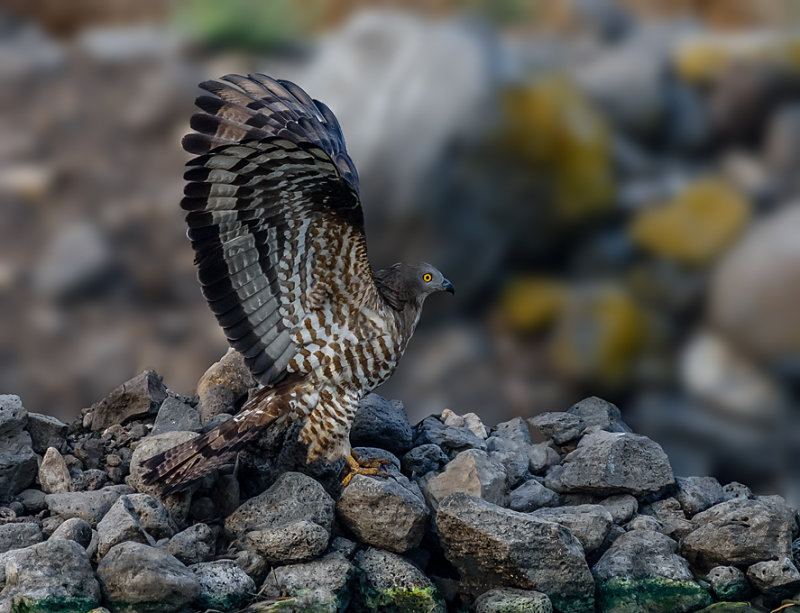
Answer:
(178, 467)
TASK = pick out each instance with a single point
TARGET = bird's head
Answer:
(411, 282)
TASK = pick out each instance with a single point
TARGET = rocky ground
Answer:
(469, 518)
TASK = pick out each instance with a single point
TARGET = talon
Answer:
(360, 466)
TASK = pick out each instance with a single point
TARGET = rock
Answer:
(17, 536)
(223, 384)
(510, 600)
(589, 523)
(383, 513)
(451, 440)
(622, 507)
(596, 412)
(728, 583)
(736, 491)
(496, 547)
(223, 585)
(140, 577)
(670, 515)
(253, 564)
(607, 463)
(88, 480)
(644, 522)
(696, 494)
(320, 585)
(561, 427)
(290, 522)
(53, 473)
(32, 500)
(18, 462)
(152, 514)
(137, 397)
(470, 421)
(13, 417)
(540, 457)
(74, 529)
(90, 451)
(471, 471)
(530, 496)
(422, 460)
(175, 415)
(777, 579)
(515, 430)
(737, 532)
(121, 525)
(89, 506)
(381, 423)
(46, 431)
(194, 545)
(51, 576)
(514, 464)
(387, 582)
(641, 571)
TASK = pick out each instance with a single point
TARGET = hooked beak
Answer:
(448, 287)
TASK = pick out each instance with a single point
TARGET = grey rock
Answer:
(121, 525)
(560, 427)
(697, 494)
(598, 413)
(621, 506)
(89, 506)
(640, 562)
(51, 524)
(53, 473)
(515, 465)
(46, 431)
(541, 456)
(90, 451)
(450, 439)
(44, 576)
(137, 397)
(223, 585)
(32, 500)
(496, 547)
(669, 513)
(17, 536)
(253, 564)
(510, 600)
(175, 415)
(222, 385)
(532, 495)
(290, 522)
(74, 529)
(88, 480)
(18, 462)
(144, 578)
(423, 459)
(194, 545)
(343, 546)
(777, 579)
(381, 423)
(470, 421)
(644, 522)
(736, 491)
(383, 513)
(607, 463)
(152, 514)
(321, 585)
(515, 430)
(778, 505)
(13, 417)
(387, 582)
(589, 523)
(737, 532)
(376, 453)
(728, 583)
(472, 472)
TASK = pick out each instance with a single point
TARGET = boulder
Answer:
(598, 413)
(422, 460)
(381, 423)
(472, 471)
(621, 506)
(17, 536)
(175, 415)
(223, 384)
(776, 579)
(450, 439)
(470, 421)
(137, 397)
(74, 529)
(696, 494)
(532, 495)
(510, 600)
(121, 524)
(223, 585)
(728, 583)
(320, 585)
(89, 506)
(589, 523)
(560, 427)
(46, 431)
(515, 430)
(54, 475)
(194, 545)
(18, 462)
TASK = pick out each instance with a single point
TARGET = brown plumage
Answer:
(276, 224)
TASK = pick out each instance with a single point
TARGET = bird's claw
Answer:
(361, 466)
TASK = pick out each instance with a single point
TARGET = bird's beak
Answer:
(448, 287)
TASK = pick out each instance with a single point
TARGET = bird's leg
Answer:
(362, 466)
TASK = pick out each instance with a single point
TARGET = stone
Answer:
(152, 514)
(32, 500)
(735, 490)
(253, 564)
(143, 578)
(53, 473)
(598, 413)
(383, 513)
(46, 431)
(530, 496)
(289, 522)
(696, 494)
(17, 536)
(121, 525)
(18, 462)
(223, 385)
(320, 585)
(670, 515)
(540, 457)
(193, 545)
(777, 579)
(381, 423)
(470, 421)
(621, 506)
(74, 529)
(471, 471)
(515, 430)
(495, 547)
(451, 440)
(560, 427)
(176, 415)
(422, 460)
(515, 465)
(644, 522)
(89, 506)
(13, 417)
(641, 571)
(728, 583)
(223, 585)
(606, 463)
(738, 532)
(90, 451)
(137, 397)
(387, 582)
(48, 577)
(589, 523)
(510, 600)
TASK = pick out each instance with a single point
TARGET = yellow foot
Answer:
(360, 466)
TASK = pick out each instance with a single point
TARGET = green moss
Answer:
(583, 604)
(730, 607)
(227, 602)
(53, 604)
(650, 595)
(402, 600)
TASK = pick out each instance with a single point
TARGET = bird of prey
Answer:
(276, 224)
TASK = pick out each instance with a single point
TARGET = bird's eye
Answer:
(427, 277)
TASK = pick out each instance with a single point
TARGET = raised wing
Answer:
(274, 218)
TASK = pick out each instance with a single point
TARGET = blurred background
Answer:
(613, 188)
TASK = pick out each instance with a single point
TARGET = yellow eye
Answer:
(427, 277)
